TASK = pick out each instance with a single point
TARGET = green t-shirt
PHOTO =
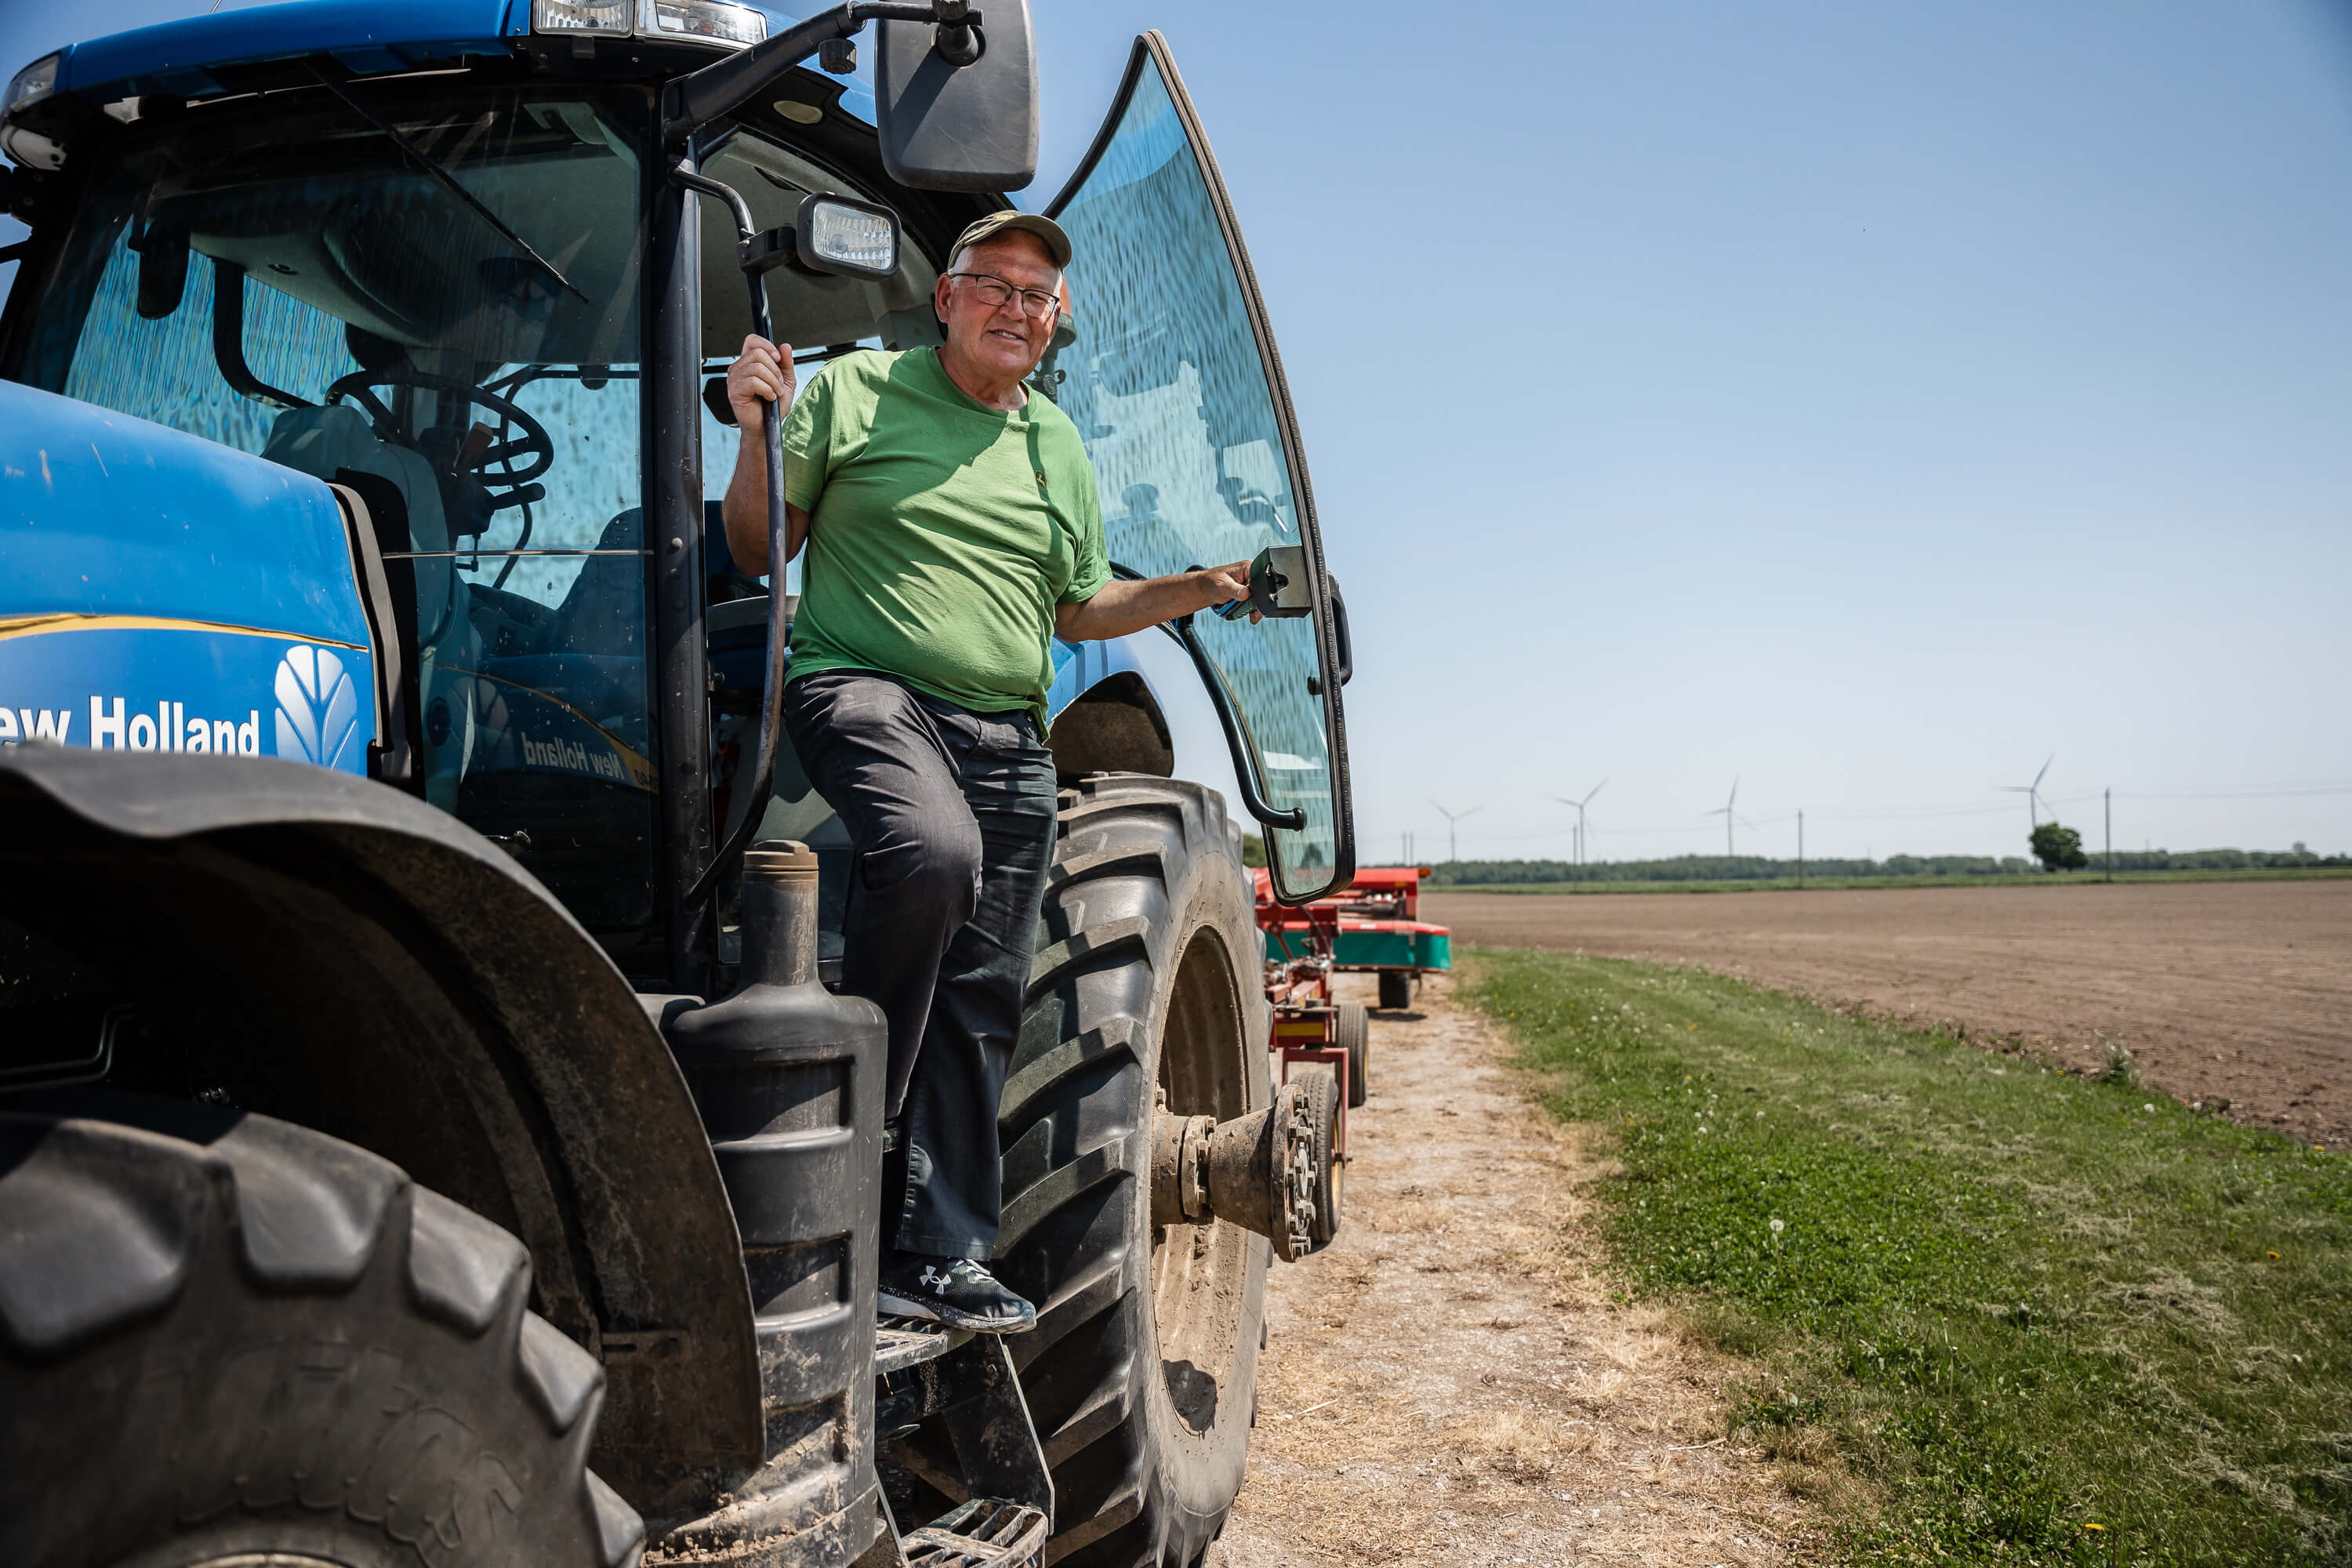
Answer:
(941, 532)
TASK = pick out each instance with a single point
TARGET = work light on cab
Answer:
(836, 235)
(701, 21)
(687, 21)
(28, 147)
(31, 85)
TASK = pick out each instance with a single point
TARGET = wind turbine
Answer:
(1579, 806)
(2032, 793)
(1451, 818)
(1729, 817)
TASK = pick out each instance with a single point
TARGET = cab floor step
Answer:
(983, 1533)
(902, 1343)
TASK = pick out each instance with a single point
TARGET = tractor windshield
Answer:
(331, 278)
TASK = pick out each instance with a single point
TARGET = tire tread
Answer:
(226, 1213)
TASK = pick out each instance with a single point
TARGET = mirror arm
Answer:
(693, 102)
(736, 206)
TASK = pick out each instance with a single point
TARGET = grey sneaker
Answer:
(951, 1291)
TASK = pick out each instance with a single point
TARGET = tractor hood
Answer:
(162, 592)
(103, 514)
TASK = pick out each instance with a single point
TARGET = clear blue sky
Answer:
(1863, 400)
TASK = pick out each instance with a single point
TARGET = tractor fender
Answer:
(366, 965)
(1105, 716)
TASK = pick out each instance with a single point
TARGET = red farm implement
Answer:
(1323, 1042)
(1380, 930)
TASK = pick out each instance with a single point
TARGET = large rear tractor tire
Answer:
(227, 1339)
(1142, 1374)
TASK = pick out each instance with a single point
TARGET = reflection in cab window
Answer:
(1168, 386)
(287, 281)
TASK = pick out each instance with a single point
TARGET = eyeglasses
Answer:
(994, 291)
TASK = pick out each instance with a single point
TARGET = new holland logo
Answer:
(318, 706)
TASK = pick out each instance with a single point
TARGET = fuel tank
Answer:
(790, 1078)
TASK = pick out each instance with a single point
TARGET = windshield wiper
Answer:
(432, 166)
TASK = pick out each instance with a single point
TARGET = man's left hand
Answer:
(1226, 584)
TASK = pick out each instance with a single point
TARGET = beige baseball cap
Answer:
(1057, 244)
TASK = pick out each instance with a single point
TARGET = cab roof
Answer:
(367, 37)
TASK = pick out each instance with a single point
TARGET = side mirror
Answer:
(960, 126)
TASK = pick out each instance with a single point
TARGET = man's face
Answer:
(1000, 340)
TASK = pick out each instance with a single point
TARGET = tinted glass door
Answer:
(1174, 382)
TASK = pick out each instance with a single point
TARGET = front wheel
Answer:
(225, 1338)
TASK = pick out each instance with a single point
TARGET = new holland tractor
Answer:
(427, 1135)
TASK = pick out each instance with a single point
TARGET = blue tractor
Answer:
(426, 1135)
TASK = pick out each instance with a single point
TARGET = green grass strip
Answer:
(1851, 884)
(2043, 1320)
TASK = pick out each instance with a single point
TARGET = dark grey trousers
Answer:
(951, 817)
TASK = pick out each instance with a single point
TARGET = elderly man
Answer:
(953, 529)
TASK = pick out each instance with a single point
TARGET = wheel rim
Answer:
(1200, 1274)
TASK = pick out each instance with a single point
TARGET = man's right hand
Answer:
(761, 375)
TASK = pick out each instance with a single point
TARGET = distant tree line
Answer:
(1759, 868)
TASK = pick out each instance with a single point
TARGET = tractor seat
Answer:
(603, 613)
(319, 441)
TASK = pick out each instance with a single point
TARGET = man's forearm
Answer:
(744, 509)
(1124, 606)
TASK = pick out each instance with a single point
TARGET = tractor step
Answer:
(902, 1343)
(985, 1532)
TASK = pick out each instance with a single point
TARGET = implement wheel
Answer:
(1396, 989)
(1352, 1033)
(226, 1339)
(1143, 1370)
(1330, 1175)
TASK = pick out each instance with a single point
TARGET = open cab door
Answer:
(1175, 384)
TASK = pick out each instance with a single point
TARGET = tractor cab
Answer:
(432, 292)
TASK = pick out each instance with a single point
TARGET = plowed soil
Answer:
(1449, 1382)
(2221, 991)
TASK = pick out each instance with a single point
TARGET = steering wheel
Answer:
(534, 444)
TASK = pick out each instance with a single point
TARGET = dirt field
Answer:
(2239, 991)
(1448, 1383)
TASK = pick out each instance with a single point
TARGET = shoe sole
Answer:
(933, 1312)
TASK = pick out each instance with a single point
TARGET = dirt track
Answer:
(1448, 1383)
(2235, 990)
